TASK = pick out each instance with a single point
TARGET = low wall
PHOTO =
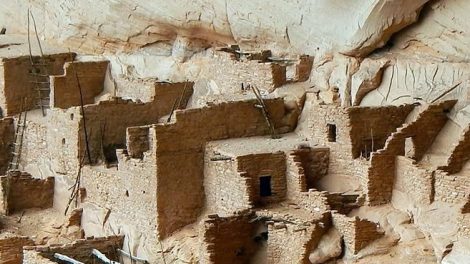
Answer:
(81, 249)
(21, 191)
(11, 249)
(357, 233)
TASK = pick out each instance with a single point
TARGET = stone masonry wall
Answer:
(371, 126)
(296, 181)
(423, 130)
(180, 151)
(357, 233)
(315, 164)
(81, 249)
(107, 121)
(226, 189)
(7, 135)
(265, 164)
(65, 90)
(124, 199)
(17, 81)
(451, 188)
(460, 154)
(228, 240)
(414, 182)
(230, 73)
(21, 191)
(292, 243)
(11, 249)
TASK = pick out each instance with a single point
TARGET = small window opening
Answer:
(63, 141)
(331, 132)
(71, 116)
(127, 193)
(265, 186)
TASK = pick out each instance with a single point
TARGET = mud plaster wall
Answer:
(291, 243)
(17, 81)
(180, 150)
(81, 249)
(265, 164)
(229, 73)
(423, 131)
(226, 189)
(412, 181)
(357, 233)
(11, 249)
(7, 135)
(371, 126)
(228, 240)
(20, 191)
(125, 200)
(65, 89)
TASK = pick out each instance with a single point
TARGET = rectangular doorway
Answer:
(265, 186)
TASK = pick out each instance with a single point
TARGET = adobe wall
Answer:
(17, 81)
(11, 249)
(229, 73)
(228, 240)
(81, 249)
(7, 135)
(357, 233)
(65, 90)
(265, 164)
(21, 191)
(422, 131)
(414, 182)
(180, 151)
(292, 243)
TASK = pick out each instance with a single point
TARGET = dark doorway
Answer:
(109, 152)
(331, 132)
(265, 186)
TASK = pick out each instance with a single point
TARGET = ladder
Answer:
(18, 141)
(39, 70)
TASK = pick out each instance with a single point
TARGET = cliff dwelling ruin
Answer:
(231, 132)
